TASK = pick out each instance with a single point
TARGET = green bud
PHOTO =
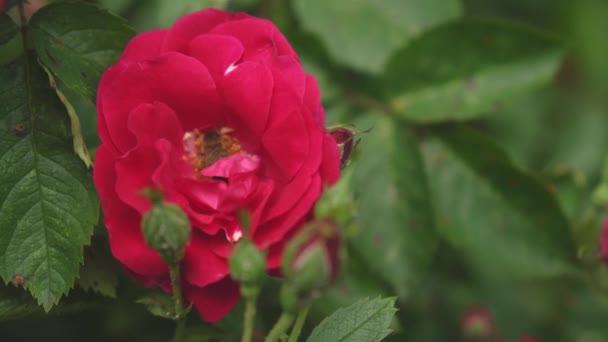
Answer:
(166, 229)
(312, 259)
(247, 263)
(337, 202)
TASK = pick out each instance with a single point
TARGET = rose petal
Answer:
(289, 87)
(144, 46)
(260, 37)
(217, 53)
(134, 173)
(179, 81)
(247, 91)
(285, 147)
(312, 100)
(128, 246)
(200, 265)
(271, 232)
(104, 177)
(285, 197)
(123, 223)
(214, 301)
(150, 122)
(330, 166)
(190, 26)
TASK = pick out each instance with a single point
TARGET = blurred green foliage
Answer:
(495, 211)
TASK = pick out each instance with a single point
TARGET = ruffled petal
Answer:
(150, 122)
(129, 247)
(179, 81)
(200, 265)
(190, 26)
(217, 52)
(260, 37)
(134, 173)
(144, 46)
(214, 301)
(272, 231)
(285, 147)
(247, 90)
(330, 166)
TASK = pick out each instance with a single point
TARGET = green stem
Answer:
(180, 330)
(249, 318)
(280, 327)
(299, 324)
(178, 300)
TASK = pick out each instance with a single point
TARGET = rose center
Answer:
(204, 149)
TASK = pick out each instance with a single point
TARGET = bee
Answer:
(216, 145)
(204, 149)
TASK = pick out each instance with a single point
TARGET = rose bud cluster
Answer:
(218, 114)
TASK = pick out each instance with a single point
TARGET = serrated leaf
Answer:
(397, 237)
(8, 29)
(366, 320)
(80, 147)
(380, 27)
(467, 69)
(162, 305)
(501, 218)
(48, 204)
(77, 42)
(100, 270)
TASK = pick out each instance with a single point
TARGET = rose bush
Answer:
(218, 114)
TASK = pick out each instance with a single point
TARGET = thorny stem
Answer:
(178, 300)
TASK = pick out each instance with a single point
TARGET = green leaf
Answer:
(78, 138)
(48, 204)
(100, 270)
(77, 42)
(364, 33)
(467, 69)
(162, 305)
(397, 237)
(502, 219)
(366, 320)
(8, 29)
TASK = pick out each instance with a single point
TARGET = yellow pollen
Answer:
(204, 149)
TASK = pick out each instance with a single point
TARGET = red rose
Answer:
(218, 114)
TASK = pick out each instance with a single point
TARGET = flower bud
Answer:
(337, 202)
(604, 240)
(477, 323)
(247, 263)
(167, 230)
(312, 259)
(345, 139)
